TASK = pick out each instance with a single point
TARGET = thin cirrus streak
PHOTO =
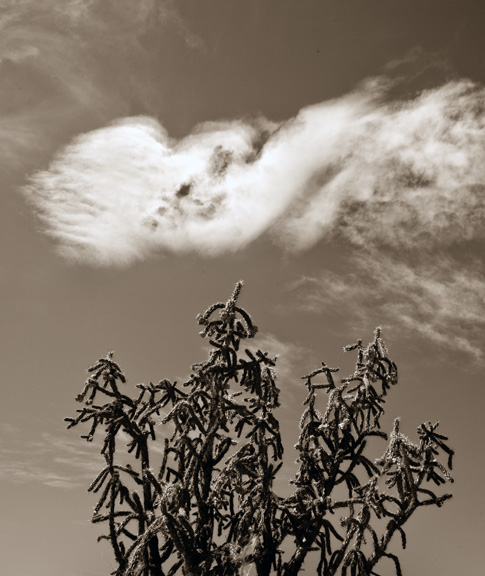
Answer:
(439, 298)
(51, 461)
(72, 63)
(406, 173)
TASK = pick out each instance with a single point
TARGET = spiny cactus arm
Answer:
(407, 466)
(331, 448)
(233, 323)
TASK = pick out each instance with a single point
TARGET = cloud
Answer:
(400, 182)
(20, 472)
(119, 193)
(409, 173)
(168, 13)
(71, 65)
(399, 173)
(438, 299)
(52, 461)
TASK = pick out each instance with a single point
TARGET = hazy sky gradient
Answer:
(331, 154)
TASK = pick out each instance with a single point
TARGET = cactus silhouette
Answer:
(200, 500)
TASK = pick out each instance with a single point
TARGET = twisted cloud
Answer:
(401, 174)
(401, 183)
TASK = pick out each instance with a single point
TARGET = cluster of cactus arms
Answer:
(202, 501)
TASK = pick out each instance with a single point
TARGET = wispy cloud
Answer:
(167, 11)
(52, 461)
(21, 471)
(438, 299)
(409, 173)
(400, 173)
(70, 64)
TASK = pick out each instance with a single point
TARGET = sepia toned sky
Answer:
(330, 154)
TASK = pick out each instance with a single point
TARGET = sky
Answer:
(153, 153)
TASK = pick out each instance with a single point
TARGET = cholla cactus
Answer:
(209, 508)
(332, 453)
